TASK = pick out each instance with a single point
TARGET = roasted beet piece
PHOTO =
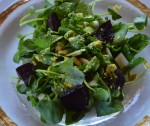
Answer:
(25, 71)
(53, 22)
(115, 80)
(105, 32)
(121, 80)
(76, 98)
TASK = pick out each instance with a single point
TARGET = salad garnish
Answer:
(73, 61)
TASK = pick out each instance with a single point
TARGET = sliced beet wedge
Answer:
(105, 32)
(76, 98)
(115, 80)
(53, 22)
(25, 71)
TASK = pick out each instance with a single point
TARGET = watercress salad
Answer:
(70, 64)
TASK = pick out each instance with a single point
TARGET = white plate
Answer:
(16, 110)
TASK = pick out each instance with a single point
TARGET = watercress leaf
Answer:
(51, 111)
(101, 94)
(120, 31)
(39, 31)
(35, 83)
(126, 52)
(132, 64)
(92, 65)
(63, 30)
(45, 59)
(22, 88)
(141, 21)
(16, 57)
(138, 42)
(82, 6)
(31, 9)
(107, 59)
(117, 105)
(89, 30)
(55, 38)
(33, 100)
(77, 42)
(48, 3)
(98, 53)
(74, 75)
(116, 93)
(64, 22)
(23, 50)
(105, 108)
(114, 14)
(28, 45)
(41, 44)
(64, 9)
(73, 117)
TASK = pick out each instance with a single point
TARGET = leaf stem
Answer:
(29, 14)
(134, 31)
(134, 50)
(51, 72)
(86, 83)
(104, 14)
(104, 84)
(32, 20)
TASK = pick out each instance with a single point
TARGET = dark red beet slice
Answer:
(115, 81)
(105, 32)
(53, 22)
(25, 71)
(76, 98)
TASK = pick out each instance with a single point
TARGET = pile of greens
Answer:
(71, 48)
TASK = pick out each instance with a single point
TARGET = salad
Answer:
(73, 61)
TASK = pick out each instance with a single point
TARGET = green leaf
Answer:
(28, 45)
(64, 9)
(33, 100)
(92, 65)
(45, 59)
(141, 21)
(51, 111)
(126, 52)
(41, 44)
(101, 94)
(16, 57)
(73, 117)
(89, 30)
(133, 63)
(74, 75)
(104, 108)
(22, 88)
(114, 14)
(120, 31)
(25, 49)
(138, 42)
(55, 38)
(77, 42)
(82, 6)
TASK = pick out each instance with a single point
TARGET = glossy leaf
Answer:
(141, 21)
(51, 111)
(114, 14)
(132, 64)
(120, 31)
